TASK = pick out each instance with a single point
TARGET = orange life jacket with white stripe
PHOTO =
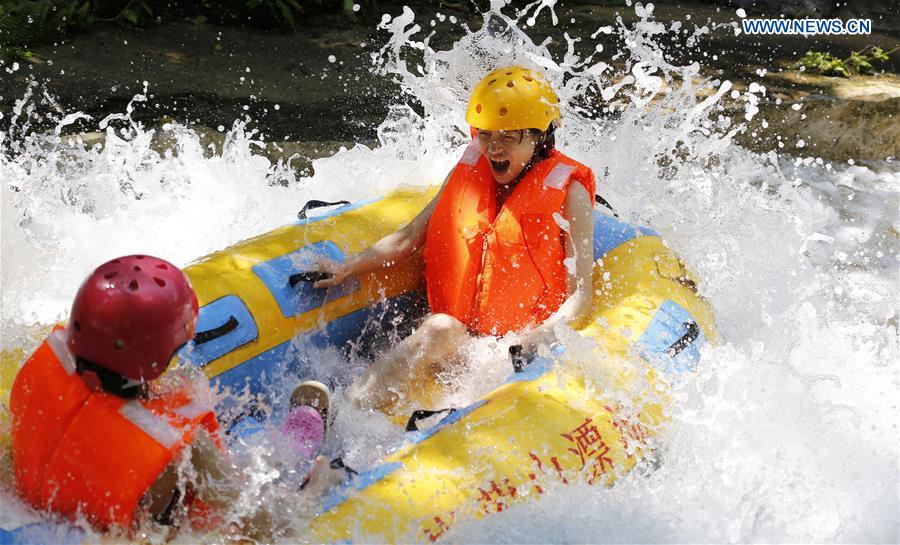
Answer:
(76, 449)
(500, 271)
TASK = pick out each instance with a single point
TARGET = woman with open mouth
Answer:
(507, 241)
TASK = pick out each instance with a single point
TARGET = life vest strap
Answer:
(57, 342)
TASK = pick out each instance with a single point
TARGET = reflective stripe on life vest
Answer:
(500, 271)
(80, 450)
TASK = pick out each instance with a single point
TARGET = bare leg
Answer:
(417, 357)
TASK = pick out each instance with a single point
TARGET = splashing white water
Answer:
(789, 431)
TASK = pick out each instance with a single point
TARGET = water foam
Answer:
(788, 433)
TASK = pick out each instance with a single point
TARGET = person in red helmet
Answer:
(95, 429)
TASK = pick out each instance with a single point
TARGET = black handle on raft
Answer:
(601, 201)
(337, 463)
(313, 204)
(422, 414)
(693, 331)
(307, 276)
(213, 334)
(520, 357)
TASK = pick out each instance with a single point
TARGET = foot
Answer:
(304, 428)
(313, 393)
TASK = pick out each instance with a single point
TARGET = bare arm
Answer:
(579, 244)
(579, 212)
(222, 487)
(216, 483)
(392, 248)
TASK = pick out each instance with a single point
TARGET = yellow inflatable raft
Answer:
(558, 418)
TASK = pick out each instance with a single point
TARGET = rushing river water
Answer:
(788, 432)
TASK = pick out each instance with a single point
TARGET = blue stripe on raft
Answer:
(533, 371)
(263, 374)
(610, 233)
(213, 315)
(338, 211)
(43, 532)
(417, 437)
(537, 367)
(360, 482)
(666, 327)
(295, 300)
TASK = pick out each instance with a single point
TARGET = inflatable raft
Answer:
(559, 417)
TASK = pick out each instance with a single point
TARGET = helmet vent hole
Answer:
(133, 286)
(115, 261)
(527, 78)
(503, 111)
(137, 269)
(510, 83)
(140, 256)
(509, 73)
(493, 81)
(77, 326)
(162, 266)
(478, 108)
(110, 274)
(119, 344)
(159, 281)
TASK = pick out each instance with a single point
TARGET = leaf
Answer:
(285, 12)
(879, 54)
(129, 15)
(859, 62)
(84, 14)
(838, 69)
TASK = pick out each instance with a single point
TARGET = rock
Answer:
(831, 128)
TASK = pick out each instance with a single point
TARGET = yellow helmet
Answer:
(513, 98)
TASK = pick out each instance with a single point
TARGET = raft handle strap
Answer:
(313, 204)
(520, 357)
(693, 331)
(422, 414)
(307, 276)
(337, 463)
(601, 201)
(213, 334)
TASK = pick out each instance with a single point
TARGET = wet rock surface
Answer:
(315, 85)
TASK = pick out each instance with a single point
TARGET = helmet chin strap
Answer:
(99, 378)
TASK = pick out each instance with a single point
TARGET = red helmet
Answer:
(131, 315)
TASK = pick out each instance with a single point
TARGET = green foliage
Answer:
(11, 53)
(28, 23)
(25, 23)
(266, 13)
(859, 62)
(278, 10)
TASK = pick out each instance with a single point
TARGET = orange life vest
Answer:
(501, 271)
(80, 450)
